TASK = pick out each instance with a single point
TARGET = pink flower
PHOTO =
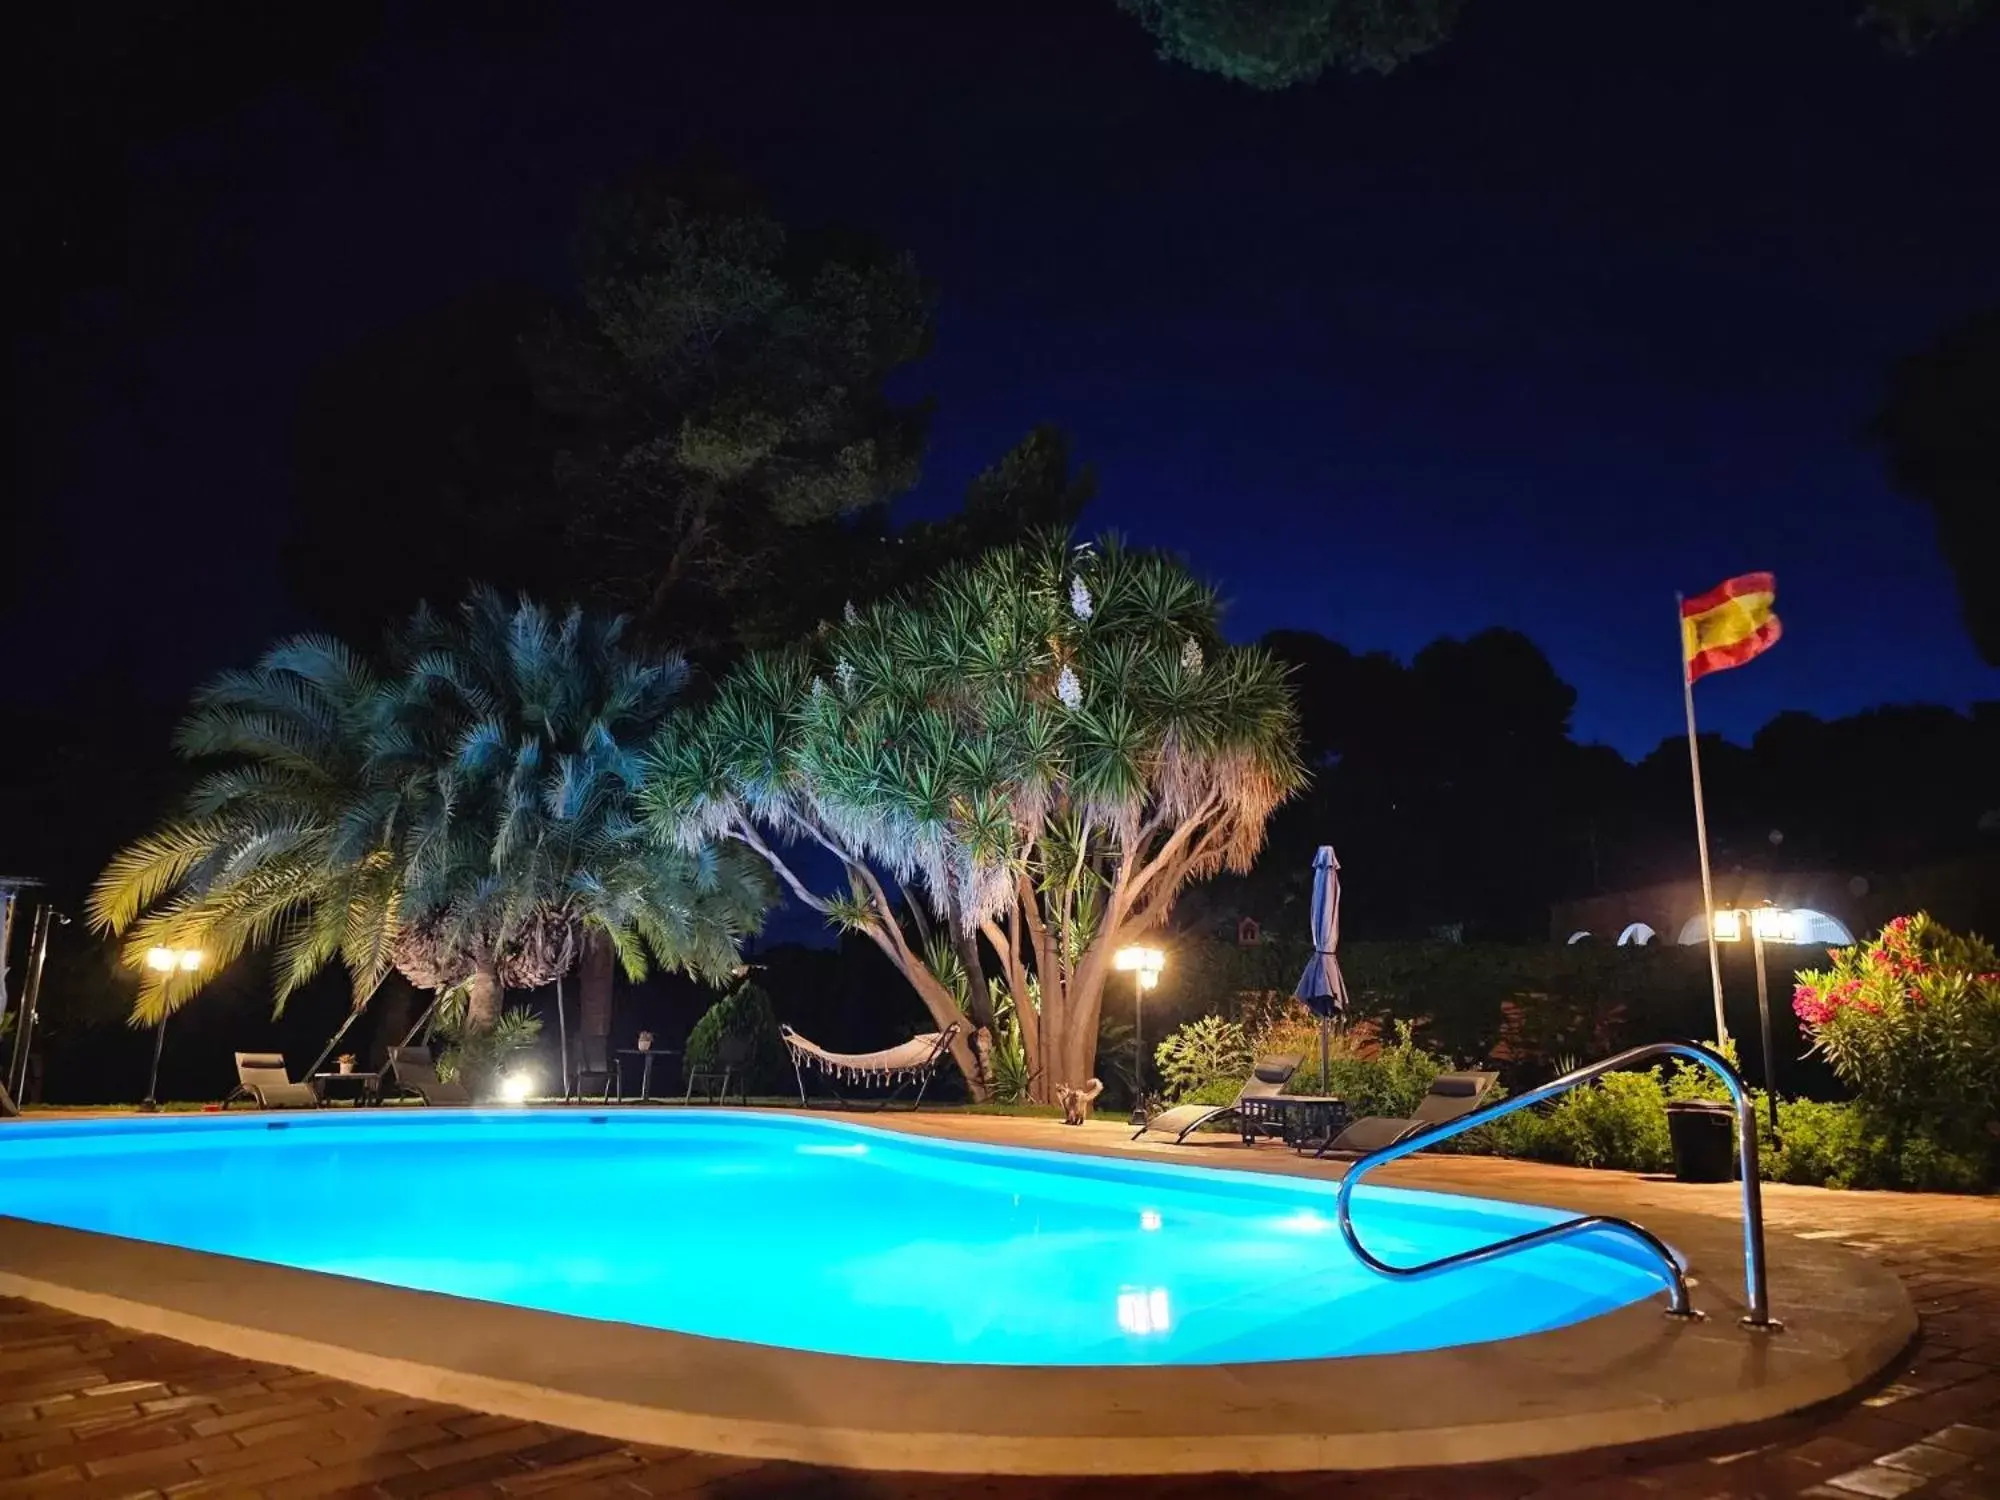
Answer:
(1809, 1008)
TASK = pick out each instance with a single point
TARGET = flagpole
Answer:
(1701, 828)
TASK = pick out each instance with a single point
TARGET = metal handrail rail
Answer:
(1756, 1291)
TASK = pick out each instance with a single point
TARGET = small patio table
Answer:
(645, 1056)
(355, 1088)
(1298, 1119)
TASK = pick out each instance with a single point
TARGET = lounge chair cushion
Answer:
(1453, 1096)
(1275, 1072)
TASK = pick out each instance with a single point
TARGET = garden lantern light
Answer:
(1144, 965)
(1766, 924)
(165, 961)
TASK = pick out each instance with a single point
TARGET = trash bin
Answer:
(1703, 1133)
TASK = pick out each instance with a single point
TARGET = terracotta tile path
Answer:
(92, 1410)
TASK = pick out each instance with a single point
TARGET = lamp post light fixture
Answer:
(1766, 924)
(1144, 965)
(165, 961)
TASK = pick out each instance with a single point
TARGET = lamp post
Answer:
(1144, 965)
(1774, 924)
(164, 961)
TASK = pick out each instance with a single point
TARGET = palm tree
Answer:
(300, 838)
(525, 850)
(466, 818)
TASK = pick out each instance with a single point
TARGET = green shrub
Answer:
(1215, 1091)
(1393, 1082)
(746, 1012)
(480, 1062)
(1825, 1145)
(1013, 1080)
(1849, 1145)
(1283, 1027)
(1692, 1081)
(1207, 1051)
(1620, 1121)
(1926, 1164)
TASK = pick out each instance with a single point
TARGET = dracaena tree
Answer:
(1019, 766)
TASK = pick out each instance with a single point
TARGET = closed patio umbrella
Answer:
(1321, 987)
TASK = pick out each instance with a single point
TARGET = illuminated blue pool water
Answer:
(810, 1233)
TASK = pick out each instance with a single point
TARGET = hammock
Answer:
(914, 1061)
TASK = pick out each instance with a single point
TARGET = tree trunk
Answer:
(1014, 965)
(1040, 1090)
(978, 999)
(1069, 1027)
(944, 1010)
(595, 973)
(482, 1002)
(393, 1015)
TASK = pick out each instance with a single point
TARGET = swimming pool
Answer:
(808, 1233)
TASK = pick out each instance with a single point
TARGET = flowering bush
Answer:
(1911, 1022)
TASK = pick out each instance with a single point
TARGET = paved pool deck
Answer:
(91, 1409)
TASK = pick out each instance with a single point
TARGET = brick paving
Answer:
(90, 1411)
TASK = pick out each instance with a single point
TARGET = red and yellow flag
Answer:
(1729, 624)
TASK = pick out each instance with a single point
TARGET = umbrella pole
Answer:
(1323, 1069)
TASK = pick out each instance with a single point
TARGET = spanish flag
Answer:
(1729, 624)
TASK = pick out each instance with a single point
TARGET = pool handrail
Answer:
(1756, 1291)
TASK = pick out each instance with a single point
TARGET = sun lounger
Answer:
(914, 1062)
(1451, 1097)
(1267, 1080)
(262, 1076)
(414, 1073)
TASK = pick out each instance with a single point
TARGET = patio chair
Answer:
(1452, 1097)
(1267, 1080)
(914, 1062)
(415, 1073)
(731, 1065)
(262, 1077)
(594, 1060)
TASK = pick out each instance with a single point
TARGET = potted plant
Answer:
(645, 1041)
(345, 1062)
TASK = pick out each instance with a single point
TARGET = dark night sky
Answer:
(1589, 306)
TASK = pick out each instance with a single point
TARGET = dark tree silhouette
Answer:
(427, 463)
(1274, 44)
(1277, 44)
(1940, 426)
(701, 438)
(1459, 801)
